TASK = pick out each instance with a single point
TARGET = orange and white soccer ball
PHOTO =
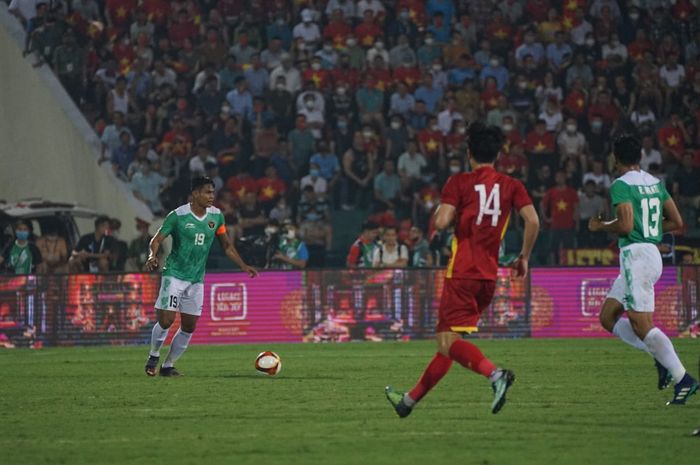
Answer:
(268, 363)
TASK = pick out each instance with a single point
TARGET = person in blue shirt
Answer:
(456, 76)
(529, 47)
(327, 161)
(428, 94)
(291, 250)
(559, 53)
(280, 29)
(446, 7)
(429, 51)
(440, 28)
(497, 71)
(483, 55)
(240, 99)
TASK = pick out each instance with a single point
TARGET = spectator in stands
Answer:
(291, 251)
(202, 156)
(358, 171)
(591, 204)
(314, 180)
(123, 155)
(147, 186)
(649, 153)
(92, 252)
(559, 209)
(387, 188)
(21, 256)
(686, 184)
(281, 212)
(673, 138)
(301, 143)
(571, 142)
(390, 253)
(411, 165)
(361, 252)
(251, 217)
(328, 165)
(315, 228)
(270, 188)
(70, 66)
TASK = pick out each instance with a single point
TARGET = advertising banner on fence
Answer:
(240, 309)
(565, 302)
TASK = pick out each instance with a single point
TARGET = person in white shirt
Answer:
(578, 33)
(571, 141)
(391, 253)
(199, 161)
(375, 6)
(552, 116)
(307, 30)
(378, 50)
(644, 116)
(672, 75)
(291, 75)
(614, 47)
(601, 179)
(315, 180)
(411, 164)
(448, 116)
(649, 153)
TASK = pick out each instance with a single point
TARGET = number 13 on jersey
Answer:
(489, 204)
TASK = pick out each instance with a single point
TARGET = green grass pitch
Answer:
(574, 402)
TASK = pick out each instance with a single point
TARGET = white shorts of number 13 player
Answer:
(640, 269)
(176, 294)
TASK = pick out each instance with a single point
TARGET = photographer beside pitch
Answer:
(644, 212)
(193, 227)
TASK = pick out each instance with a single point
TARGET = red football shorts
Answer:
(462, 302)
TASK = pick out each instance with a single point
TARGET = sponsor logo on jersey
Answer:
(211, 225)
(189, 226)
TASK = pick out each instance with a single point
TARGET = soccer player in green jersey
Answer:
(193, 227)
(644, 212)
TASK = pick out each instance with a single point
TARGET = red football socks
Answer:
(469, 356)
(436, 369)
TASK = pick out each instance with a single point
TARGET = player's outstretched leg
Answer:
(158, 335)
(403, 403)
(469, 356)
(177, 348)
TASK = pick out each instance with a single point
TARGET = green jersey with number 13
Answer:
(192, 238)
(647, 195)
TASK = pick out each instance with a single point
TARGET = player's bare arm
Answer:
(623, 224)
(532, 228)
(673, 221)
(444, 216)
(153, 248)
(232, 254)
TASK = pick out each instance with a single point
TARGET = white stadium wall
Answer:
(47, 148)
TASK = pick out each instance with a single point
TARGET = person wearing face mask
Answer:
(581, 29)
(396, 137)
(307, 30)
(497, 71)
(291, 251)
(571, 142)
(378, 50)
(315, 180)
(402, 54)
(292, 76)
(91, 254)
(428, 52)
(431, 144)
(328, 56)
(20, 256)
(402, 25)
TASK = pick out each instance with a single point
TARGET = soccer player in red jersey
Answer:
(479, 204)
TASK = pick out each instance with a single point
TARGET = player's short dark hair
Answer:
(199, 182)
(628, 150)
(485, 142)
(100, 220)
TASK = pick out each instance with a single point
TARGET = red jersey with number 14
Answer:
(483, 200)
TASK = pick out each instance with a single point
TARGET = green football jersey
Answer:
(647, 195)
(192, 238)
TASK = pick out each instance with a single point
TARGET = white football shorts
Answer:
(176, 294)
(640, 268)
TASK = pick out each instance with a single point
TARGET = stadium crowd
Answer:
(299, 109)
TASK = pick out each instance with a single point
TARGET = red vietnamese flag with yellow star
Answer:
(270, 189)
(560, 206)
(410, 76)
(416, 10)
(120, 12)
(576, 102)
(320, 78)
(157, 11)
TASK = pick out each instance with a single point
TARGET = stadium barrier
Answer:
(328, 305)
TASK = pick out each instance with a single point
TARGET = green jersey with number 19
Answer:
(647, 195)
(192, 238)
